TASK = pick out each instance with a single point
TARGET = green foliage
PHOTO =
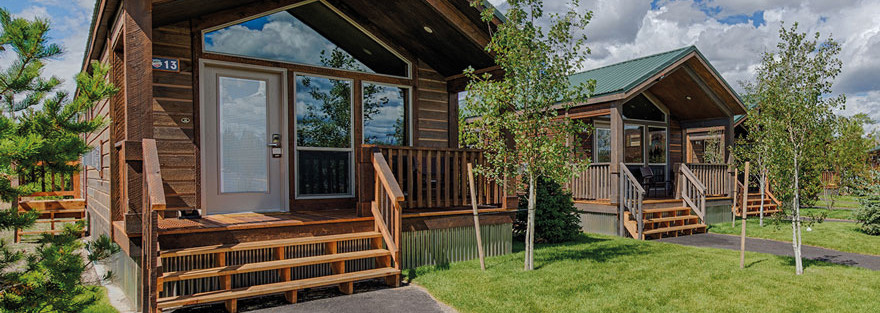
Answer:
(101, 248)
(556, 219)
(521, 124)
(792, 118)
(36, 127)
(868, 213)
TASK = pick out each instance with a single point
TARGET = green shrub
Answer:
(556, 219)
(868, 214)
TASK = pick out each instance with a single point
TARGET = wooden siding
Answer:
(431, 117)
(173, 119)
(676, 145)
(97, 176)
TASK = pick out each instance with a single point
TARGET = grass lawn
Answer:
(609, 274)
(849, 202)
(103, 304)
(832, 235)
(843, 214)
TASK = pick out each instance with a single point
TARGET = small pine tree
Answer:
(556, 218)
(38, 128)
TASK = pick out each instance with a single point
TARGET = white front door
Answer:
(243, 150)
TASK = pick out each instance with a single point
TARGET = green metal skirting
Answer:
(444, 246)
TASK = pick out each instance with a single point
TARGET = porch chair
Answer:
(649, 181)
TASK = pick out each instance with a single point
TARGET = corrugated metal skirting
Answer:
(443, 246)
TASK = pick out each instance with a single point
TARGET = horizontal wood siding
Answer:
(432, 109)
(676, 144)
(97, 176)
(173, 119)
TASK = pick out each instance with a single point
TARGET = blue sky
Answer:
(731, 33)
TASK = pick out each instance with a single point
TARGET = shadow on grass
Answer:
(585, 247)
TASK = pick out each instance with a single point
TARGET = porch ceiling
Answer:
(449, 49)
(675, 89)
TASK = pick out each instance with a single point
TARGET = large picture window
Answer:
(312, 33)
(657, 145)
(385, 114)
(323, 136)
(633, 143)
(603, 144)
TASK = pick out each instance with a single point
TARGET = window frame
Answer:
(409, 65)
(597, 125)
(407, 111)
(350, 149)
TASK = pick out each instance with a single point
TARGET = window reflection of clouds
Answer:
(278, 36)
(386, 124)
(242, 110)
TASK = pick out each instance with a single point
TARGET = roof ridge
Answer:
(636, 59)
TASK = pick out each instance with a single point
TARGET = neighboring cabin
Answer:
(262, 147)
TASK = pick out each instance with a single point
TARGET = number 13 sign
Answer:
(166, 64)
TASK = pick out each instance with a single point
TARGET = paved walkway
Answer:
(778, 248)
(404, 299)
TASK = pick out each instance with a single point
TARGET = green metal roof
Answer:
(623, 76)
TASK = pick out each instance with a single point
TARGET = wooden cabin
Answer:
(270, 147)
(662, 125)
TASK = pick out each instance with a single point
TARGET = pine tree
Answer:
(41, 125)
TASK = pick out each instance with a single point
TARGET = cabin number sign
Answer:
(166, 64)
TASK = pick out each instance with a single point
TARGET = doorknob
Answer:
(275, 145)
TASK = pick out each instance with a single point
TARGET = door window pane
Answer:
(632, 143)
(656, 145)
(385, 114)
(603, 145)
(243, 153)
(324, 172)
(323, 112)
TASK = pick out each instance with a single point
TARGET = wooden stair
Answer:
(280, 264)
(662, 222)
(753, 206)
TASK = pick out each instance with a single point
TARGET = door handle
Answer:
(274, 145)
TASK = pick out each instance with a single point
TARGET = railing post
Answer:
(620, 204)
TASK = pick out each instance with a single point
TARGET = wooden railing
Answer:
(153, 202)
(386, 207)
(715, 177)
(436, 177)
(631, 196)
(592, 183)
(47, 182)
(693, 192)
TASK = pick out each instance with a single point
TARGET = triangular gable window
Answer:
(311, 34)
(640, 108)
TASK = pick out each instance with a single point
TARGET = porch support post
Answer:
(616, 158)
(138, 87)
(729, 138)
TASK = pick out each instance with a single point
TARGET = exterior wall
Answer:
(447, 245)
(432, 111)
(173, 118)
(599, 223)
(96, 169)
(718, 211)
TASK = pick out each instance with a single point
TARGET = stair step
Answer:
(267, 244)
(272, 265)
(758, 206)
(258, 290)
(670, 218)
(664, 210)
(672, 229)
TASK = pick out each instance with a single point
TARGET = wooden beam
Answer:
(460, 22)
(616, 150)
(708, 91)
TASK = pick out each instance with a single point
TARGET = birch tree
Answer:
(793, 91)
(521, 121)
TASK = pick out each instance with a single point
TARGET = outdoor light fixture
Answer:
(428, 29)
(368, 51)
(688, 97)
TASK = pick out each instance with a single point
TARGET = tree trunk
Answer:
(763, 188)
(796, 221)
(530, 234)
